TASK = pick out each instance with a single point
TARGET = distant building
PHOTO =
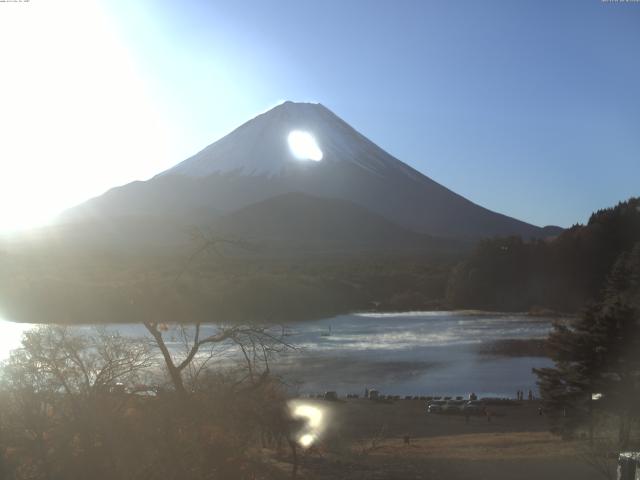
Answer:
(331, 395)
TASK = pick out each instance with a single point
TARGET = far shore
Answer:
(516, 347)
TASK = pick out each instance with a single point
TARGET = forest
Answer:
(593, 386)
(561, 274)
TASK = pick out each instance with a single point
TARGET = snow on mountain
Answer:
(261, 147)
(302, 147)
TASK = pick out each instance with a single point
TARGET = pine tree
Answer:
(599, 353)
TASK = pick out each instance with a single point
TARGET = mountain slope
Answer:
(255, 162)
(288, 223)
(297, 220)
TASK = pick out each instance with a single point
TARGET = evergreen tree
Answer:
(597, 357)
(561, 274)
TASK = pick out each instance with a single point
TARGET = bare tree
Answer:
(67, 361)
(59, 387)
(256, 344)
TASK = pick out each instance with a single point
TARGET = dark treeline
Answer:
(46, 287)
(594, 385)
(560, 274)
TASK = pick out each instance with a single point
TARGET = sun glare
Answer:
(304, 146)
(11, 336)
(75, 117)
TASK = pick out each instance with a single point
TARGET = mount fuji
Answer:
(306, 150)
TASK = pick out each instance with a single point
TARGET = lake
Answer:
(411, 353)
(414, 353)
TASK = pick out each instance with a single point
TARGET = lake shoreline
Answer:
(412, 353)
(381, 311)
(516, 347)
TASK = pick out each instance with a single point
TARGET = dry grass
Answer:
(483, 446)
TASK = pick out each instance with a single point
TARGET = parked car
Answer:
(435, 406)
(453, 406)
(474, 407)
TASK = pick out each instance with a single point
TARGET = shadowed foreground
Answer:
(367, 441)
(91, 405)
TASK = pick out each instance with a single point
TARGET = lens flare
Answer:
(311, 413)
(314, 425)
(306, 440)
(304, 146)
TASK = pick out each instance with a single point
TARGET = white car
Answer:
(435, 406)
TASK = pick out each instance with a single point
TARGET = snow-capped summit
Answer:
(302, 147)
(263, 145)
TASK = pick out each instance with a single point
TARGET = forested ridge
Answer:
(598, 353)
(560, 274)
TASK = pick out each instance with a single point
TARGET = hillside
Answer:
(301, 222)
(563, 274)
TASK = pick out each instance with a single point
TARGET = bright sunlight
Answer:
(304, 146)
(76, 118)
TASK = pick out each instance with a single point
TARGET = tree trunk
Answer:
(174, 372)
(624, 430)
(294, 453)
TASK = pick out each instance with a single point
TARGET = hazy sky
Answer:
(529, 108)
